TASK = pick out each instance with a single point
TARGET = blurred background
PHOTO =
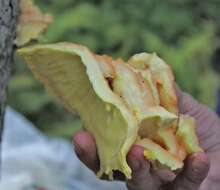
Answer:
(185, 33)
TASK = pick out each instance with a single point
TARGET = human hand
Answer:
(196, 166)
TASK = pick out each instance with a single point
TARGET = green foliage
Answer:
(181, 32)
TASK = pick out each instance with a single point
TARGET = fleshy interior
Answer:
(120, 103)
(146, 87)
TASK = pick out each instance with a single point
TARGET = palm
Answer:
(208, 131)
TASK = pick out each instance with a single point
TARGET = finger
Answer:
(207, 120)
(165, 175)
(142, 178)
(85, 149)
(188, 105)
(195, 171)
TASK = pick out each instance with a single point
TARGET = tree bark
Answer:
(9, 11)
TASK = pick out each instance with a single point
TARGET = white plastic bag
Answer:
(31, 160)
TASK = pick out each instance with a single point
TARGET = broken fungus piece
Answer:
(121, 104)
(32, 22)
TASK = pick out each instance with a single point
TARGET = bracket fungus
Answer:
(121, 103)
(32, 22)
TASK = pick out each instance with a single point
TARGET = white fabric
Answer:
(30, 159)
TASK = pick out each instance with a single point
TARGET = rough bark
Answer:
(9, 10)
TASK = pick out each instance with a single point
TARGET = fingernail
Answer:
(195, 166)
(135, 164)
(79, 151)
(200, 163)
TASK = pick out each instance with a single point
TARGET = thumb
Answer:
(85, 149)
(195, 171)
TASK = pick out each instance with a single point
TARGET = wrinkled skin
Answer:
(201, 170)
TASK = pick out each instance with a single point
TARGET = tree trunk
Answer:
(9, 10)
